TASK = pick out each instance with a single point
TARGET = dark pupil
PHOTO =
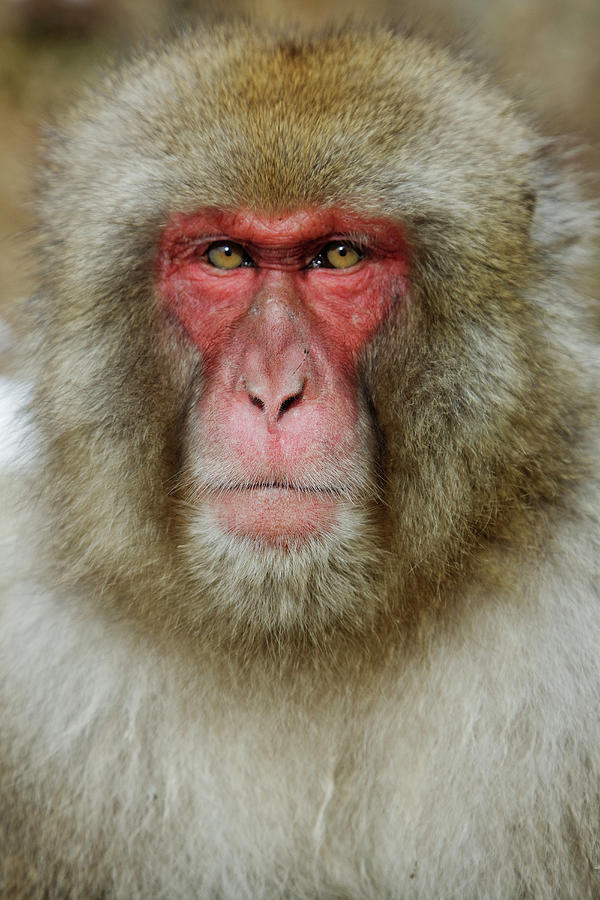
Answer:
(227, 250)
(342, 250)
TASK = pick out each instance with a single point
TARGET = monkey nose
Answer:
(273, 401)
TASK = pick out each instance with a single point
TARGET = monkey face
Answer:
(279, 461)
(309, 374)
(280, 310)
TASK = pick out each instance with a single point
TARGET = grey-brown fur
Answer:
(408, 708)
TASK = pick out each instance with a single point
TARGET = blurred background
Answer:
(546, 52)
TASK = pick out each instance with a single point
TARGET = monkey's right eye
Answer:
(227, 255)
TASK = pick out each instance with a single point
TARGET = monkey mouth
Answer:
(275, 512)
(274, 485)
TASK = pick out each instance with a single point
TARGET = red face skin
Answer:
(279, 341)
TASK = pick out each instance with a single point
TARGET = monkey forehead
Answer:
(243, 119)
(278, 121)
(290, 230)
(275, 122)
(279, 229)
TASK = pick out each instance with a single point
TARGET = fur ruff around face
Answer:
(405, 705)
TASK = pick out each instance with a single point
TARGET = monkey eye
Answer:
(337, 255)
(227, 255)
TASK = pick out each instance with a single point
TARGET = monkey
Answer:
(301, 598)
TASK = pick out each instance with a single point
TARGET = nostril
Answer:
(286, 405)
(288, 402)
(270, 401)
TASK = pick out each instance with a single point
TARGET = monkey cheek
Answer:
(279, 517)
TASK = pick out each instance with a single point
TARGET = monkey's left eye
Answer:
(337, 255)
(227, 255)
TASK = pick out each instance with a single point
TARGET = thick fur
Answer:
(408, 707)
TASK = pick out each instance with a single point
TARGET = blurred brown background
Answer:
(545, 52)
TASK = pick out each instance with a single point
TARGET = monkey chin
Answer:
(286, 576)
(276, 515)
